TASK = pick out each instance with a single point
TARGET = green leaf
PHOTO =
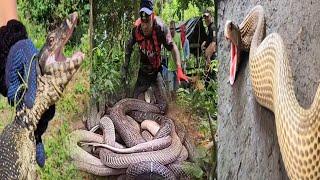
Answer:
(87, 7)
(193, 169)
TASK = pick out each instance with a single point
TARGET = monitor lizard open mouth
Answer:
(52, 51)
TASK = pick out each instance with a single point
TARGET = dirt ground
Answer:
(184, 117)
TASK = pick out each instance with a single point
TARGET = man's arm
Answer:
(176, 55)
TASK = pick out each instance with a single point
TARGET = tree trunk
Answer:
(247, 140)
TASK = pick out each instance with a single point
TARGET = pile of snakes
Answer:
(136, 141)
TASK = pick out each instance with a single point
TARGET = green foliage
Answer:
(48, 14)
(170, 12)
(80, 88)
(35, 32)
(68, 104)
(5, 111)
(3, 103)
(58, 164)
(105, 76)
(202, 167)
(193, 169)
(181, 10)
(115, 22)
(85, 48)
(200, 103)
(201, 4)
(191, 11)
(48, 11)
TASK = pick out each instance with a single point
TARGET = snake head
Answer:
(51, 54)
(232, 34)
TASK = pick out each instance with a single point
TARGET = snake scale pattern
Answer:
(161, 156)
(298, 129)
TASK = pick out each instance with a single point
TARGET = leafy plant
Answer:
(202, 167)
(3, 103)
(68, 104)
(80, 88)
(173, 11)
(58, 165)
(42, 16)
(200, 103)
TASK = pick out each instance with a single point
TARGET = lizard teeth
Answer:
(69, 23)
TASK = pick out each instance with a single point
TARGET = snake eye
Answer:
(51, 40)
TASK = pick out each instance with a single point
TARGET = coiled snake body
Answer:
(163, 155)
(298, 129)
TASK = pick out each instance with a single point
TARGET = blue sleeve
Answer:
(20, 61)
(14, 67)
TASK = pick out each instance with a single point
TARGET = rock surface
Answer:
(247, 139)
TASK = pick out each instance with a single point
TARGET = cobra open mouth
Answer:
(233, 62)
(233, 52)
(68, 28)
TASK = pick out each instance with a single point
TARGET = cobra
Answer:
(298, 129)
